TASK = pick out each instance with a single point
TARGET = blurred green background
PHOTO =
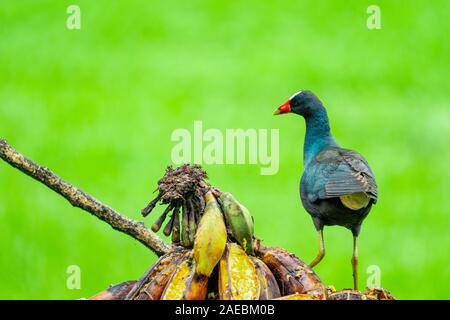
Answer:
(98, 106)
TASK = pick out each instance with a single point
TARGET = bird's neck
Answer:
(318, 135)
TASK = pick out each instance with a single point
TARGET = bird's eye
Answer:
(295, 102)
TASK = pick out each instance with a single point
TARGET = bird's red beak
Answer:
(284, 108)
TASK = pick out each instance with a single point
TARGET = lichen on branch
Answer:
(80, 199)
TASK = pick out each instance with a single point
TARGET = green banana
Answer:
(239, 220)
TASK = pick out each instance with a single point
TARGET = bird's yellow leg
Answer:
(321, 253)
(355, 263)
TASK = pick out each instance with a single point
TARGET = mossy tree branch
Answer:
(82, 200)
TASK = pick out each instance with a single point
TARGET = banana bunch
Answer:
(274, 274)
(223, 264)
(236, 276)
(216, 255)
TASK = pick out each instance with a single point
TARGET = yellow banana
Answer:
(211, 237)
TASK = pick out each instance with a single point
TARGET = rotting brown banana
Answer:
(196, 287)
(153, 283)
(154, 270)
(116, 292)
(213, 285)
(237, 275)
(210, 239)
(292, 274)
(296, 296)
(268, 286)
(239, 220)
(379, 294)
(186, 284)
(349, 294)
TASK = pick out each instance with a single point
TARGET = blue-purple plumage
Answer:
(337, 186)
(332, 173)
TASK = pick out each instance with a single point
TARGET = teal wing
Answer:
(336, 172)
